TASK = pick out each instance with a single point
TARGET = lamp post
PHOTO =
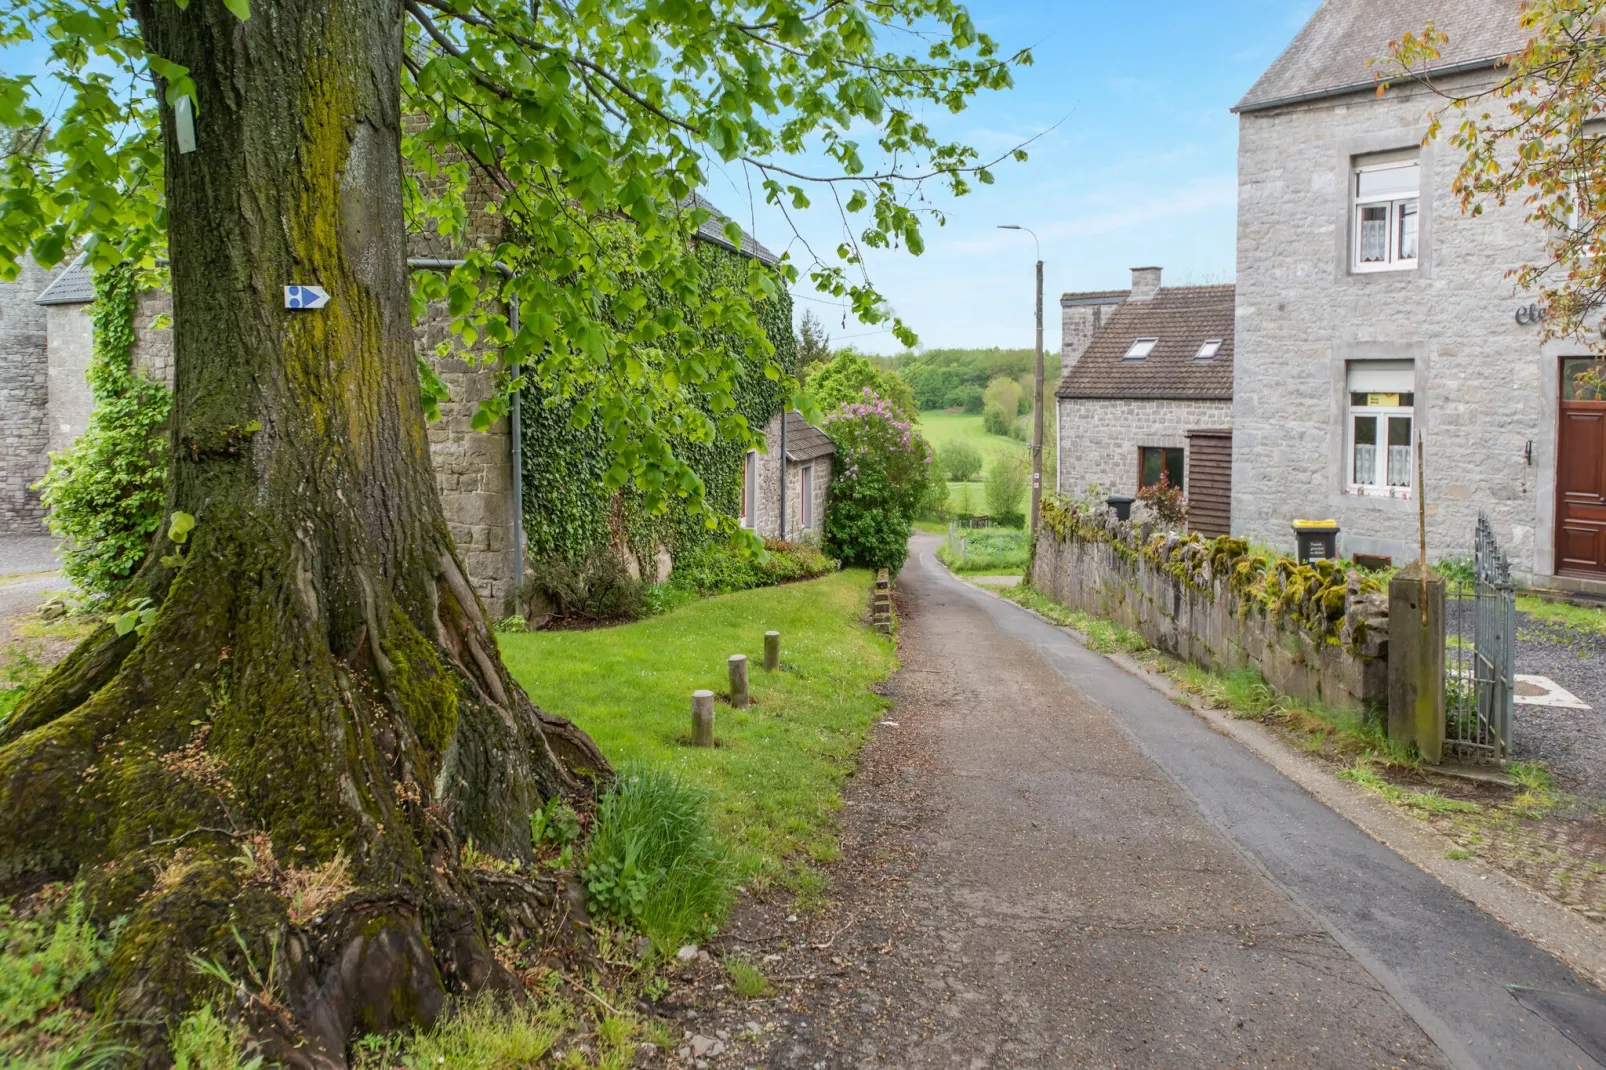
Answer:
(1037, 391)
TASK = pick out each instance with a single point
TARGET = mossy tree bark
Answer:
(319, 676)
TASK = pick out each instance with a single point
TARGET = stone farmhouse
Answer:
(1147, 393)
(1369, 307)
(45, 403)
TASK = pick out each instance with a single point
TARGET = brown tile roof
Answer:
(1183, 318)
(804, 441)
(1328, 57)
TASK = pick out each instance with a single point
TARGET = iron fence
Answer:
(1479, 686)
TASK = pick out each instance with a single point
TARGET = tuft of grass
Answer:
(747, 980)
(653, 862)
(478, 1035)
(1534, 776)
(1103, 636)
(43, 962)
(203, 1041)
(1435, 803)
(774, 782)
(1458, 854)
(1571, 617)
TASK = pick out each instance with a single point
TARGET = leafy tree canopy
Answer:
(849, 375)
(586, 119)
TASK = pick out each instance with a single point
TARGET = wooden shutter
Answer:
(1210, 482)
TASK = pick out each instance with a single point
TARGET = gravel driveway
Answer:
(1573, 742)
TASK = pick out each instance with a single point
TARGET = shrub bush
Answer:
(722, 569)
(934, 506)
(1166, 503)
(107, 490)
(653, 863)
(592, 588)
(960, 460)
(878, 482)
(1006, 483)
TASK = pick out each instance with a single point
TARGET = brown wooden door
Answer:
(1580, 484)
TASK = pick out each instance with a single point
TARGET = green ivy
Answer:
(569, 509)
(107, 490)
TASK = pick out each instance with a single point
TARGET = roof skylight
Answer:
(1209, 350)
(1141, 348)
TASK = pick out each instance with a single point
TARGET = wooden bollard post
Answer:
(772, 651)
(702, 718)
(738, 681)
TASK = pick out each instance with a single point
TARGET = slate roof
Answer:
(75, 286)
(1328, 57)
(713, 232)
(1183, 318)
(804, 441)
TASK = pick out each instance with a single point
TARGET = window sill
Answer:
(1384, 269)
(1385, 493)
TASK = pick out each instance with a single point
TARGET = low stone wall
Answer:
(1313, 633)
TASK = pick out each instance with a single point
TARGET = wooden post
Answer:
(702, 718)
(772, 651)
(1416, 660)
(739, 693)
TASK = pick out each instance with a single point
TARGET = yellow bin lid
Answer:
(1315, 525)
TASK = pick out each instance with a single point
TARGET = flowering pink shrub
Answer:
(881, 472)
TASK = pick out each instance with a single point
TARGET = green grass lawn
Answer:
(987, 552)
(775, 780)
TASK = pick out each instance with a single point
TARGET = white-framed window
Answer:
(805, 496)
(749, 514)
(1208, 351)
(1385, 229)
(1141, 348)
(1381, 421)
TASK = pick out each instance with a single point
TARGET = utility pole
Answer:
(1037, 394)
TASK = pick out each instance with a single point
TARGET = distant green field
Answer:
(940, 428)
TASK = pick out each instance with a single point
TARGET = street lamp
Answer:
(1037, 392)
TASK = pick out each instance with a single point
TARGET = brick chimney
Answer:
(1145, 283)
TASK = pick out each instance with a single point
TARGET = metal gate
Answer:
(1480, 690)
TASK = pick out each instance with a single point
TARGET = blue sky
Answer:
(1141, 171)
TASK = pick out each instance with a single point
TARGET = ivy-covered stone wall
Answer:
(1317, 632)
(568, 511)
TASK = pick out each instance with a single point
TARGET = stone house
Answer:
(808, 455)
(1370, 308)
(1147, 392)
(45, 403)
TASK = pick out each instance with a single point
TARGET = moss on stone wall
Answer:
(1320, 597)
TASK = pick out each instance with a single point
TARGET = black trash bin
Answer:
(1317, 540)
(1122, 504)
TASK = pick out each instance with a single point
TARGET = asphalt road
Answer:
(1367, 915)
(1047, 863)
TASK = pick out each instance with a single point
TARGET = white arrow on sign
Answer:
(305, 297)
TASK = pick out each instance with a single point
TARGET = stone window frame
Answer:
(805, 496)
(1347, 353)
(1382, 144)
(748, 516)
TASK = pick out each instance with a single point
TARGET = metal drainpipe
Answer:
(515, 428)
(783, 474)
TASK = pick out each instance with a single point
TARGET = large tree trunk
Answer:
(319, 675)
